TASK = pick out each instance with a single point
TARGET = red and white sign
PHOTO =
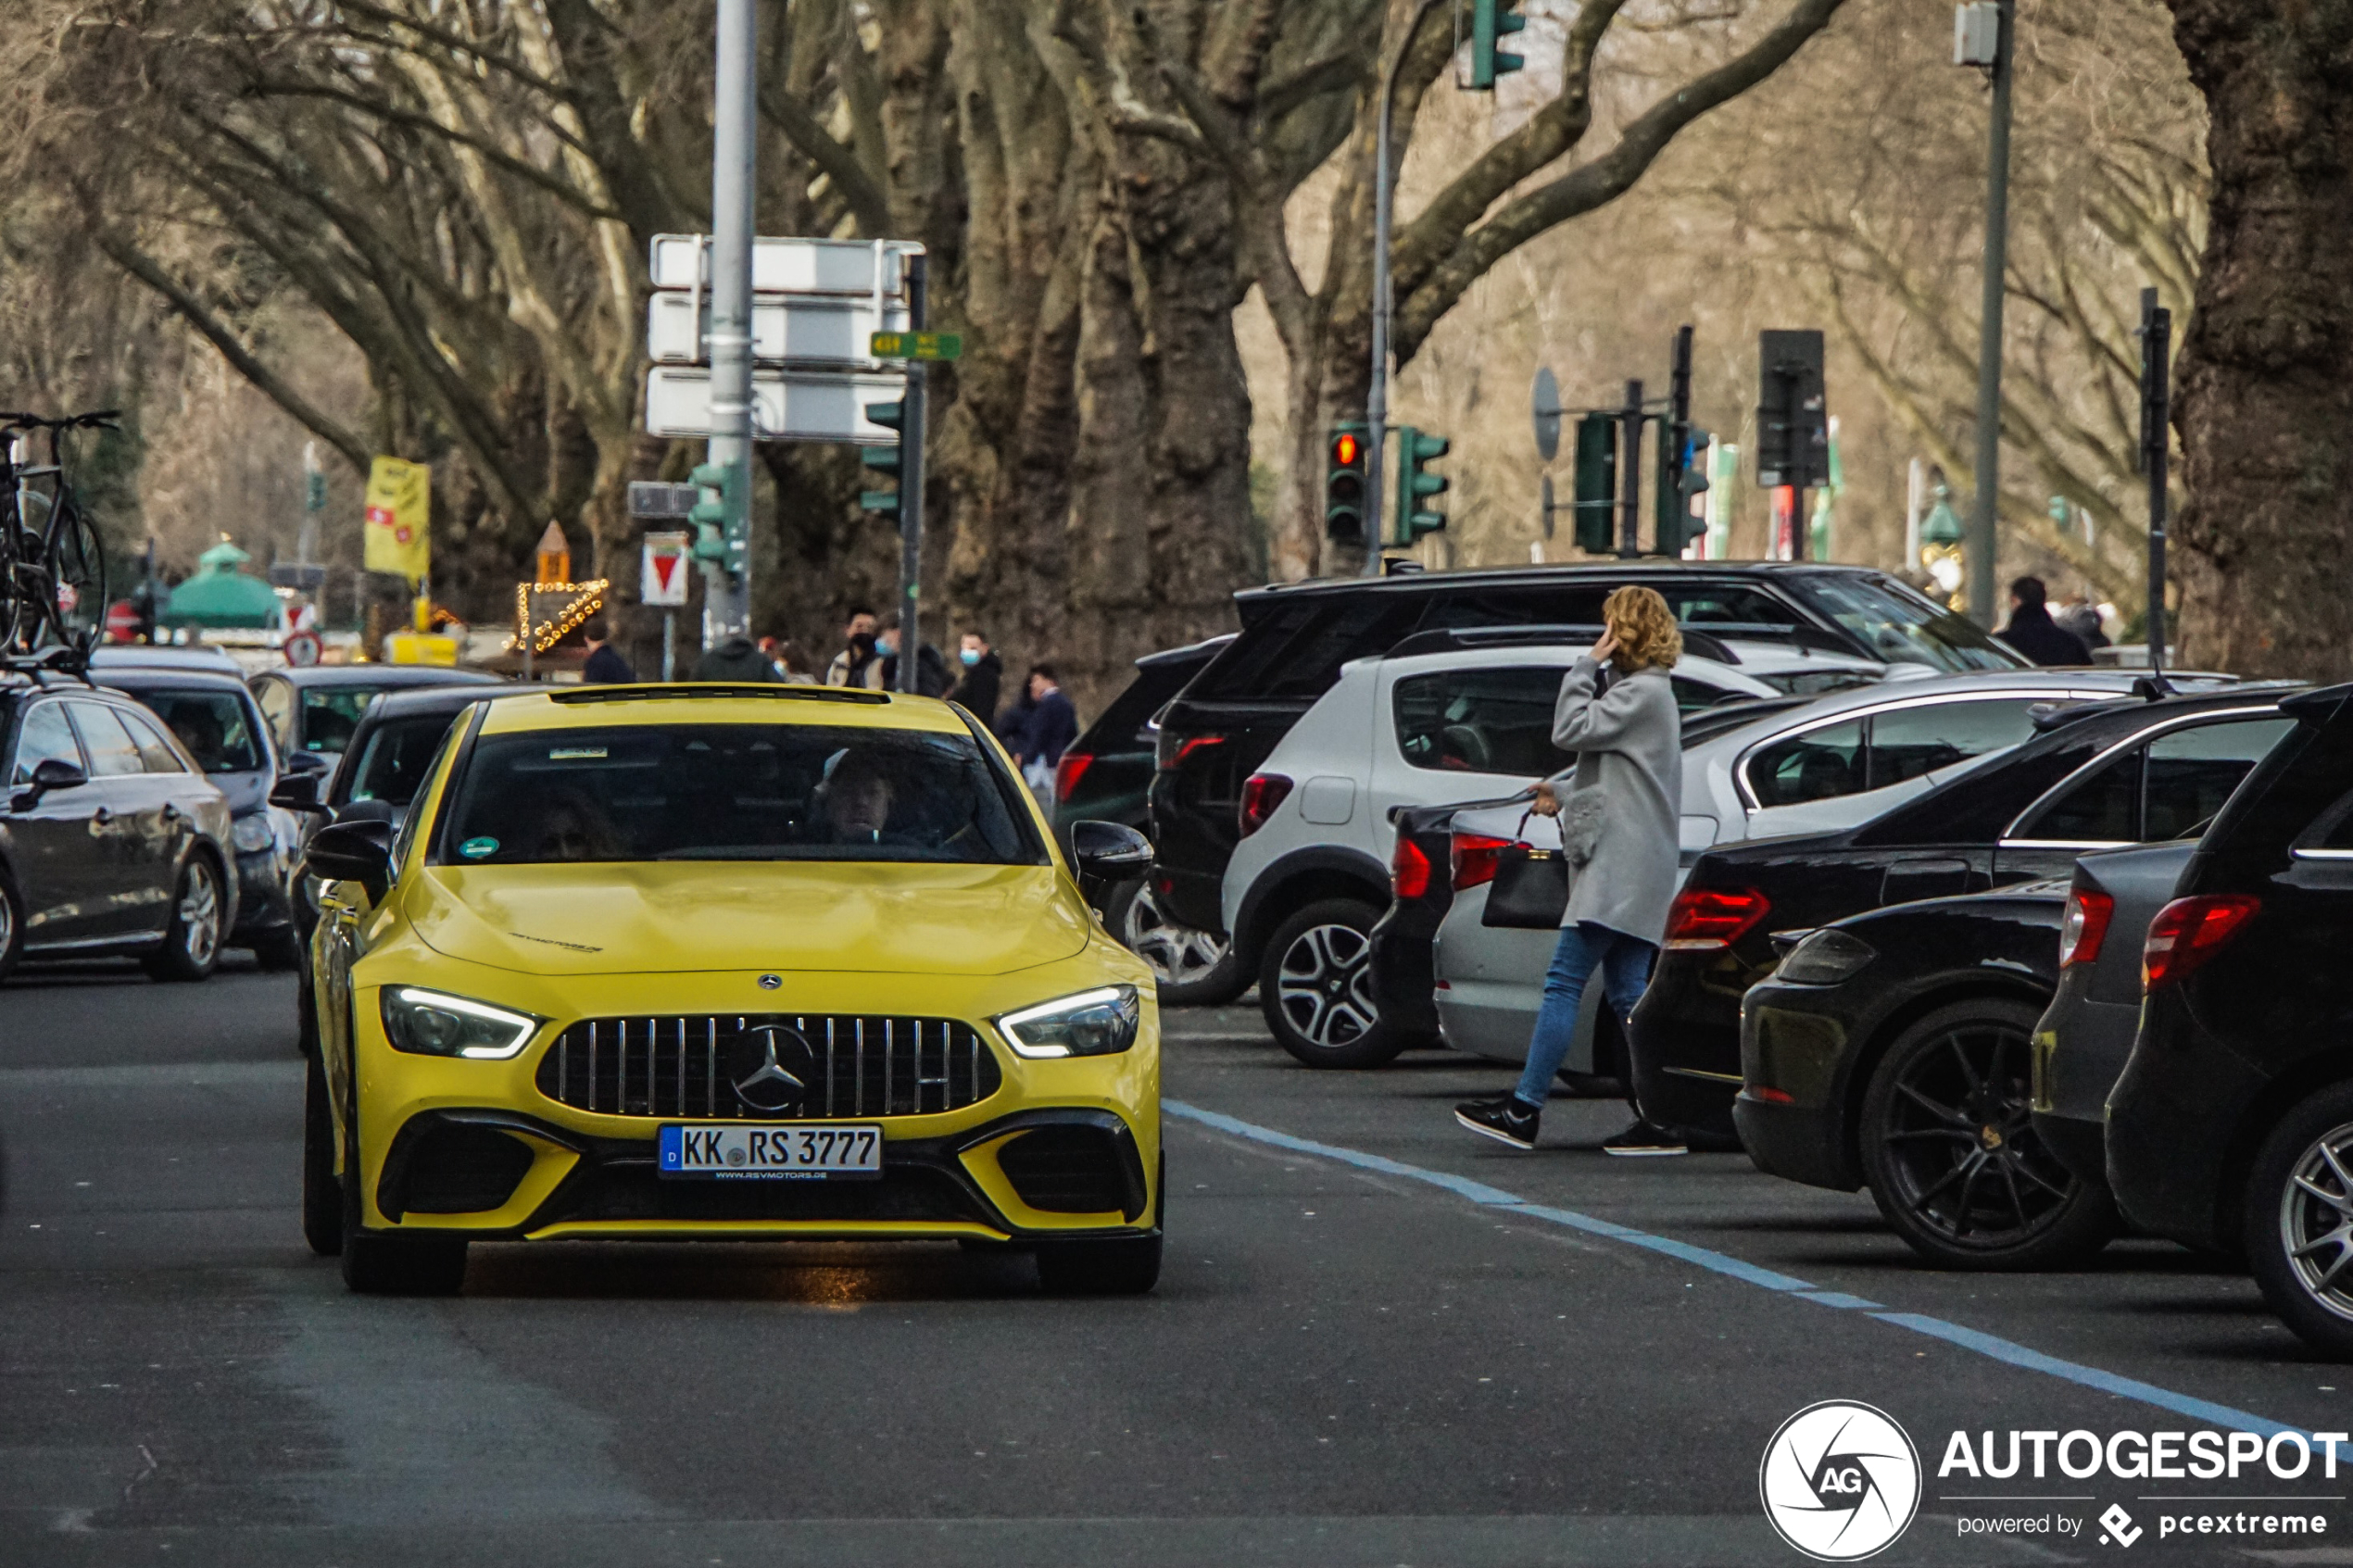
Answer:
(302, 649)
(661, 578)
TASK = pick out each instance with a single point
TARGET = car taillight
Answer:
(1068, 771)
(1261, 793)
(2187, 932)
(1408, 869)
(1171, 749)
(1707, 918)
(1472, 859)
(2084, 926)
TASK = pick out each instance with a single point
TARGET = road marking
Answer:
(2000, 1350)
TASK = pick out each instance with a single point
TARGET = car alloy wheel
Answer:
(1951, 1151)
(2297, 1219)
(199, 915)
(2316, 1220)
(1178, 954)
(1316, 987)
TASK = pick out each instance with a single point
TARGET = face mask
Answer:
(862, 641)
(970, 656)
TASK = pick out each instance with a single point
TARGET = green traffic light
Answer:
(1416, 483)
(1596, 483)
(1491, 19)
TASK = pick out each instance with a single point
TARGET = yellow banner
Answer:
(399, 497)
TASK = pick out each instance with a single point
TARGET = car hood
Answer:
(560, 920)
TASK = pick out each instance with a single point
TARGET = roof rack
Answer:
(657, 693)
(57, 659)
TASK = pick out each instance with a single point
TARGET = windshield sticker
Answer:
(577, 753)
(476, 849)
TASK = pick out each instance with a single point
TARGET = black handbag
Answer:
(1530, 889)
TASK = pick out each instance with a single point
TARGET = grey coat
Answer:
(1629, 769)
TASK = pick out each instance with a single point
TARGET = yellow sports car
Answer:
(756, 963)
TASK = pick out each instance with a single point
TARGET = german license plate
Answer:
(774, 1151)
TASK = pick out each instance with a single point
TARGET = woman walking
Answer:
(1618, 810)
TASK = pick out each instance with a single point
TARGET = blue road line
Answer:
(2007, 1352)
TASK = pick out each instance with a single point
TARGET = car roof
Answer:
(203, 656)
(593, 707)
(1567, 652)
(1192, 653)
(162, 678)
(1652, 570)
(426, 702)
(380, 675)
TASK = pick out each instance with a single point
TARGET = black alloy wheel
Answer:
(2298, 1219)
(378, 1264)
(1315, 988)
(11, 924)
(1194, 967)
(1121, 1266)
(321, 1188)
(192, 942)
(1950, 1150)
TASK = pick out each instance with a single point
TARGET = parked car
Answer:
(2231, 1127)
(218, 721)
(1893, 1049)
(2086, 1034)
(1295, 637)
(1106, 776)
(318, 709)
(2101, 776)
(112, 841)
(1826, 766)
(1447, 715)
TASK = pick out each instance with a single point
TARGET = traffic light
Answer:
(1793, 432)
(1596, 505)
(1345, 473)
(1682, 455)
(883, 459)
(709, 514)
(1491, 19)
(1416, 485)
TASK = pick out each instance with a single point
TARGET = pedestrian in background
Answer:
(2032, 632)
(931, 670)
(850, 666)
(605, 666)
(983, 673)
(2081, 616)
(1619, 809)
(1047, 727)
(737, 660)
(792, 665)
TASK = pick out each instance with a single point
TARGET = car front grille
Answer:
(767, 1066)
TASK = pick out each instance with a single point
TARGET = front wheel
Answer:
(1122, 1266)
(1194, 967)
(321, 1188)
(1952, 1155)
(1315, 986)
(2298, 1222)
(192, 942)
(11, 924)
(280, 950)
(376, 1265)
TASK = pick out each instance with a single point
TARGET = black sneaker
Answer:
(1507, 1119)
(1646, 1138)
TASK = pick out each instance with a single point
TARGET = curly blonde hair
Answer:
(1645, 628)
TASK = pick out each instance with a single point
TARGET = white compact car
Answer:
(1832, 763)
(1447, 717)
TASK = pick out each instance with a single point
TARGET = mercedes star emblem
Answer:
(772, 981)
(767, 1067)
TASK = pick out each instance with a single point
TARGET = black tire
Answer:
(305, 1012)
(2313, 1295)
(1315, 988)
(1194, 967)
(321, 1188)
(280, 950)
(192, 942)
(1951, 1153)
(11, 924)
(1122, 1266)
(376, 1265)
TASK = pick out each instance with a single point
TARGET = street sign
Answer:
(301, 649)
(916, 345)
(785, 329)
(661, 577)
(791, 265)
(652, 498)
(307, 579)
(1547, 400)
(786, 405)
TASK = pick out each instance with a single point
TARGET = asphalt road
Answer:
(1401, 1346)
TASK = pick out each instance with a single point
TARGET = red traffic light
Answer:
(1347, 449)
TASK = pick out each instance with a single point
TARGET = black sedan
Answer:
(318, 709)
(111, 840)
(1893, 1050)
(2231, 1128)
(2101, 775)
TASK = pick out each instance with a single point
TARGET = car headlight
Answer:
(252, 834)
(431, 1024)
(1098, 1023)
(1825, 958)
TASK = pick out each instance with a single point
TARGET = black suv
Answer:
(1295, 637)
(2231, 1128)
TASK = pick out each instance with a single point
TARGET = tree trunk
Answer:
(2266, 372)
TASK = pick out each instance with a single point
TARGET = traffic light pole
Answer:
(1986, 505)
(1377, 389)
(2157, 341)
(727, 582)
(911, 489)
(1630, 475)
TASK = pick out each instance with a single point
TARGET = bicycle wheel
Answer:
(76, 561)
(20, 601)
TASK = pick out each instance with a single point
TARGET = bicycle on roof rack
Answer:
(53, 567)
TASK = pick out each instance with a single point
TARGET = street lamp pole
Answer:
(727, 596)
(1377, 393)
(1989, 348)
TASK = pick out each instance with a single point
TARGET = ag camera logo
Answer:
(1839, 1481)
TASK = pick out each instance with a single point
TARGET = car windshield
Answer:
(734, 792)
(331, 713)
(395, 756)
(1900, 626)
(212, 725)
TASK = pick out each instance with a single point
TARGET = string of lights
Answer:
(587, 599)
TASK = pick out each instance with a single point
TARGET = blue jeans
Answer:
(1625, 963)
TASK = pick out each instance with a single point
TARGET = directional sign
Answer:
(916, 345)
(786, 405)
(796, 328)
(661, 579)
(652, 498)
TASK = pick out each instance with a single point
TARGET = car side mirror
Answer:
(369, 811)
(360, 852)
(50, 772)
(304, 762)
(1109, 851)
(299, 792)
